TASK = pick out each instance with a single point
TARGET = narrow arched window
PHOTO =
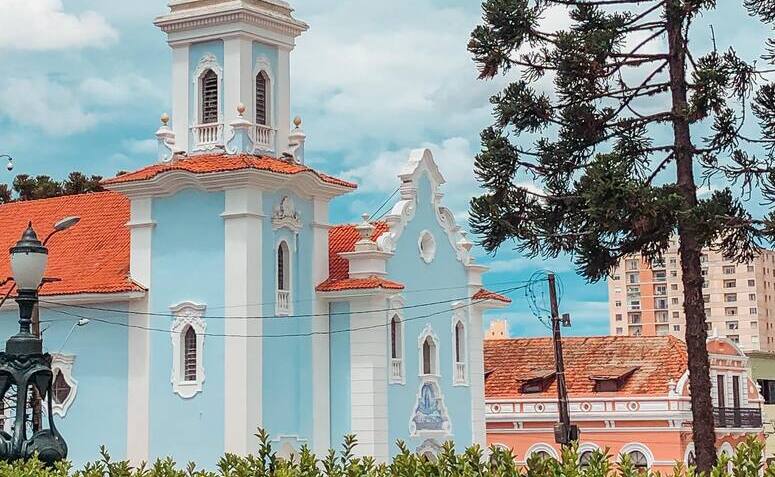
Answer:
(428, 356)
(189, 355)
(262, 99)
(395, 337)
(459, 343)
(209, 97)
(282, 267)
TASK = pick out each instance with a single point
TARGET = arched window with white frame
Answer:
(208, 99)
(263, 81)
(207, 124)
(429, 357)
(283, 302)
(459, 353)
(262, 98)
(396, 349)
(188, 333)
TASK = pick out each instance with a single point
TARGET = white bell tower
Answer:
(227, 53)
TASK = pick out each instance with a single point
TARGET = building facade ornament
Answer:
(285, 215)
(62, 364)
(187, 315)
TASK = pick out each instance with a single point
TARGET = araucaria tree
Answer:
(615, 120)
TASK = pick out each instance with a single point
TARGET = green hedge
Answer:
(747, 462)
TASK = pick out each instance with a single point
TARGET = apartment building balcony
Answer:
(736, 417)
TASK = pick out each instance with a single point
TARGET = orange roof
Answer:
(207, 163)
(358, 284)
(511, 362)
(342, 238)
(91, 257)
(484, 294)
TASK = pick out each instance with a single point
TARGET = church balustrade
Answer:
(263, 137)
(460, 372)
(207, 135)
(395, 366)
(283, 303)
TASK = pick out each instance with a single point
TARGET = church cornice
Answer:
(187, 21)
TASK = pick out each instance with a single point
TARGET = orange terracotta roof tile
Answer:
(358, 284)
(91, 257)
(511, 362)
(484, 294)
(207, 163)
(342, 238)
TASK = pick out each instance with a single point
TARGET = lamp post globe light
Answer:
(23, 364)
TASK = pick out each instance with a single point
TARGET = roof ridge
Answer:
(58, 197)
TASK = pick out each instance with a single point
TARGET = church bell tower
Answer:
(230, 62)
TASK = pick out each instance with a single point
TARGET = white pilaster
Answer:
(238, 81)
(180, 88)
(141, 231)
(321, 411)
(242, 356)
(475, 346)
(283, 98)
(368, 374)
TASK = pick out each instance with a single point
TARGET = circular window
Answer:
(427, 246)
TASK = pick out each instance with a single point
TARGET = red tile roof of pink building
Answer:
(90, 257)
(209, 163)
(511, 362)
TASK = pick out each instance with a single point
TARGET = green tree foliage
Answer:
(581, 125)
(27, 187)
(747, 462)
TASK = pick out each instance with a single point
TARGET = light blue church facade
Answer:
(244, 307)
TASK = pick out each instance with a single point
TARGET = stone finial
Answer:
(365, 231)
(296, 140)
(165, 140)
(240, 142)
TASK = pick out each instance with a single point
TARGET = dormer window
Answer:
(283, 302)
(612, 379)
(209, 97)
(538, 383)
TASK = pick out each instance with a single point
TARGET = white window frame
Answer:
(208, 62)
(187, 315)
(542, 447)
(287, 273)
(263, 65)
(642, 448)
(427, 333)
(396, 305)
(426, 244)
(63, 363)
(458, 317)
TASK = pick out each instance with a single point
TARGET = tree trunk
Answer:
(689, 250)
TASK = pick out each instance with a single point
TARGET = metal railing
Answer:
(737, 417)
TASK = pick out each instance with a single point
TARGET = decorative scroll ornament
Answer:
(285, 215)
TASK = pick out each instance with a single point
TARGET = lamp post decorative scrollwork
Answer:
(23, 364)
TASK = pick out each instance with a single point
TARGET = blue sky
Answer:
(86, 81)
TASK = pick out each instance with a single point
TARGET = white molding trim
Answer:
(285, 215)
(396, 306)
(541, 447)
(64, 364)
(426, 245)
(79, 298)
(263, 64)
(187, 314)
(459, 316)
(207, 62)
(445, 432)
(428, 332)
(637, 446)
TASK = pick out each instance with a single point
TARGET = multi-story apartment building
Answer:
(646, 298)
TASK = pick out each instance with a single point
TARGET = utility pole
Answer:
(564, 432)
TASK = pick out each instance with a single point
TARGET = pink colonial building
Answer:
(629, 395)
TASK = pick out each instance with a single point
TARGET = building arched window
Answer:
(639, 459)
(459, 333)
(189, 355)
(262, 99)
(283, 302)
(396, 350)
(208, 101)
(429, 365)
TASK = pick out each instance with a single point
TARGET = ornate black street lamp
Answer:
(23, 365)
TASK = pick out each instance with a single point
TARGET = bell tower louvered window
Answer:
(262, 99)
(209, 100)
(190, 365)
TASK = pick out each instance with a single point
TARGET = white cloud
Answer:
(43, 25)
(45, 105)
(140, 146)
(119, 90)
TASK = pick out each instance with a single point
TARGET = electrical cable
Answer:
(371, 217)
(285, 335)
(258, 317)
